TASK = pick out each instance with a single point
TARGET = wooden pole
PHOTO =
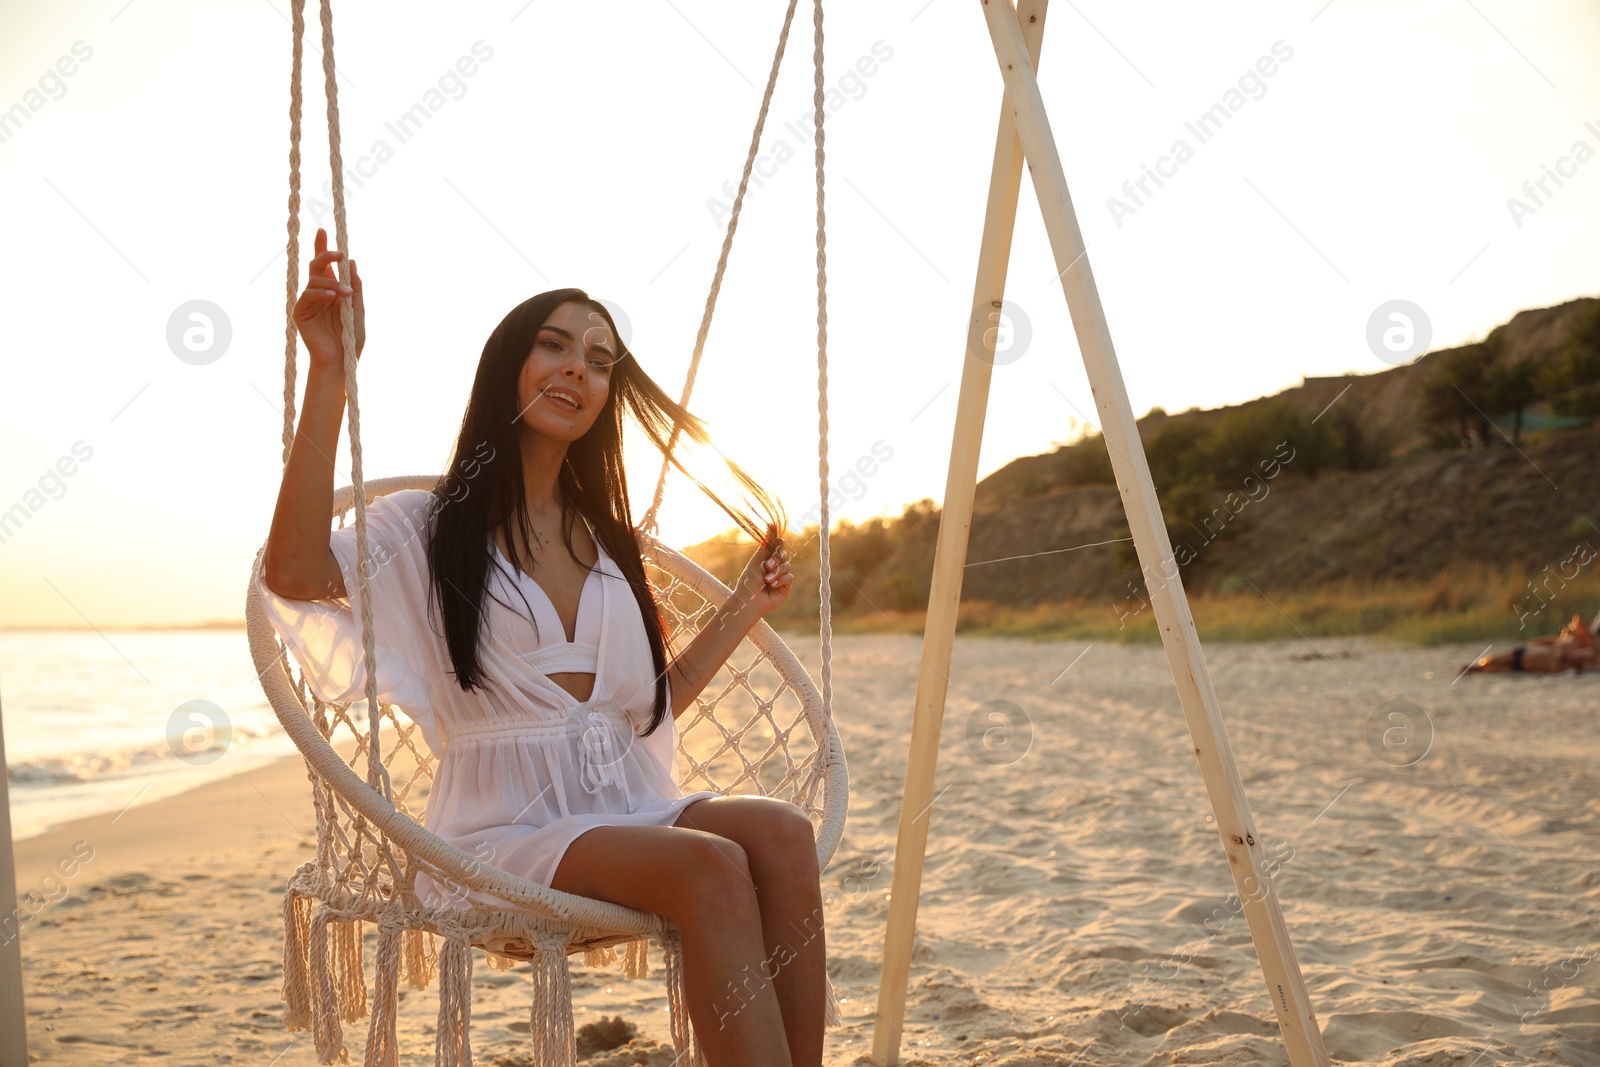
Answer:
(1240, 840)
(13, 1024)
(949, 563)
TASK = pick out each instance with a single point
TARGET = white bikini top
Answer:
(554, 655)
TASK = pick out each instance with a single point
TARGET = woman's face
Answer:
(566, 378)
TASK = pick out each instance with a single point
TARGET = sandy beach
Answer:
(1443, 891)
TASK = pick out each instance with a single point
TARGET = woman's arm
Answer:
(298, 563)
(764, 585)
(696, 665)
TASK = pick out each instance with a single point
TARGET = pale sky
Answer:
(1374, 163)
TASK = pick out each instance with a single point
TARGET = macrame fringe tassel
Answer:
(498, 962)
(452, 1045)
(296, 972)
(383, 1048)
(349, 980)
(636, 959)
(682, 1030)
(599, 957)
(830, 1008)
(326, 1032)
(421, 958)
(550, 1013)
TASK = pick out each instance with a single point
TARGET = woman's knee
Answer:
(795, 825)
(776, 836)
(789, 839)
(715, 874)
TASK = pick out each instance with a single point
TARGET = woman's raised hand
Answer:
(767, 578)
(316, 313)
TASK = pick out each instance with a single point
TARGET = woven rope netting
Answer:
(760, 727)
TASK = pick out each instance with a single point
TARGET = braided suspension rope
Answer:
(824, 556)
(649, 522)
(377, 773)
(290, 347)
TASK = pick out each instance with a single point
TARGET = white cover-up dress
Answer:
(525, 767)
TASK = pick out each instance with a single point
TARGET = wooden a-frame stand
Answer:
(1024, 135)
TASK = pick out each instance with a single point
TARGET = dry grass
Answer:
(1459, 605)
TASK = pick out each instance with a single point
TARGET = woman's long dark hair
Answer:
(483, 487)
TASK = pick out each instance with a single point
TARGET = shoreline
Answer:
(270, 802)
(213, 624)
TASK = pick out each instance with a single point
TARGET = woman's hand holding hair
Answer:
(766, 580)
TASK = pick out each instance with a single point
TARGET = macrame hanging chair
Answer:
(766, 730)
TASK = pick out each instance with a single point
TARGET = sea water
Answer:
(99, 721)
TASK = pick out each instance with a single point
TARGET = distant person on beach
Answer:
(1576, 647)
(516, 625)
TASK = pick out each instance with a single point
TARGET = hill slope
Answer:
(1369, 497)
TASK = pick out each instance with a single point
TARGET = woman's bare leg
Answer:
(1576, 655)
(702, 882)
(1543, 655)
(781, 848)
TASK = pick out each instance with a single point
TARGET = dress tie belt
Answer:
(601, 730)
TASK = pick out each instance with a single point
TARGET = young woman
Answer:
(528, 648)
(1574, 648)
